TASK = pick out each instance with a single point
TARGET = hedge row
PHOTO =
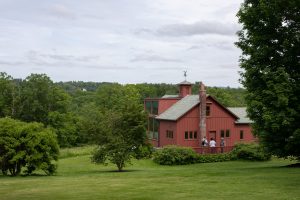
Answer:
(174, 155)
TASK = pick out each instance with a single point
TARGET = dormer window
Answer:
(207, 110)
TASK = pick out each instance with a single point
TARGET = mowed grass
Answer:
(78, 178)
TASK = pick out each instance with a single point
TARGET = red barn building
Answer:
(185, 119)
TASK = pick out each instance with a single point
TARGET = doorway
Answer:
(212, 134)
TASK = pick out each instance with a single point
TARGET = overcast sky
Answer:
(125, 41)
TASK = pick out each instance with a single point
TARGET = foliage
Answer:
(270, 46)
(8, 95)
(174, 155)
(144, 151)
(209, 158)
(66, 127)
(39, 96)
(28, 145)
(252, 152)
(121, 130)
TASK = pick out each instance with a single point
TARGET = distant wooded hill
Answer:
(79, 90)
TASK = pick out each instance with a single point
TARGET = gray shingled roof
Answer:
(179, 108)
(188, 102)
(241, 113)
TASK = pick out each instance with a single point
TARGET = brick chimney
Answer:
(185, 88)
(202, 109)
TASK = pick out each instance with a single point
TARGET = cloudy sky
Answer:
(125, 41)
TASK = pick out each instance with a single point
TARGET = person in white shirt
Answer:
(212, 145)
(212, 142)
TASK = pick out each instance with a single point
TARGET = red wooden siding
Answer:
(185, 90)
(221, 119)
(164, 104)
(188, 122)
(165, 126)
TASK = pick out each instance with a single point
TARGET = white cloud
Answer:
(125, 41)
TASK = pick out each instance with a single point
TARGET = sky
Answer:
(125, 41)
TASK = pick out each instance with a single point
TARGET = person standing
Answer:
(222, 144)
(212, 145)
(204, 142)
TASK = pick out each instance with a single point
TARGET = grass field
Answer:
(77, 178)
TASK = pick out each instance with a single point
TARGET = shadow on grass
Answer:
(116, 171)
(295, 165)
(24, 175)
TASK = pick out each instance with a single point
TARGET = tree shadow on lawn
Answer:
(114, 171)
(24, 175)
(295, 165)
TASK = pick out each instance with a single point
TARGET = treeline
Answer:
(74, 110)
(230, 97)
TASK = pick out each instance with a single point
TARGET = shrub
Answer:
(144, 151)
(251, 151)
(209, 158)
(28, 145)
(173, 155)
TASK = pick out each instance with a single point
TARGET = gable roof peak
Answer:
(184, 83)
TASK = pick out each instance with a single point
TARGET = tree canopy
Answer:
(28, 145)
(122, 130)
(270, 44)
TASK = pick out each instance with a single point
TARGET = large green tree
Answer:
(270, 44)
(121, 133)
(39, 96)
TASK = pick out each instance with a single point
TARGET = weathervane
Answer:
(184, 74)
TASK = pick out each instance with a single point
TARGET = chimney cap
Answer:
(184, 83)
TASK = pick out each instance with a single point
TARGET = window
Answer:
(207, 110)
(153, 128)
(191, 134)
(169, 134)
(227, 133)
(148, 106)
(195, 134)
(241, 134)
(222, 133)
(186, 135)
(152, 107)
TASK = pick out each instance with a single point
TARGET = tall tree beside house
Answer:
(122, 129)
(270, 44)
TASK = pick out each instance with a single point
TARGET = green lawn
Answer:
(77, 178)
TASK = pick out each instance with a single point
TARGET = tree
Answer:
(65, 125)
(28, 145)
(39, 96)
(8, 95)
(270, 44)
(122, 130)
